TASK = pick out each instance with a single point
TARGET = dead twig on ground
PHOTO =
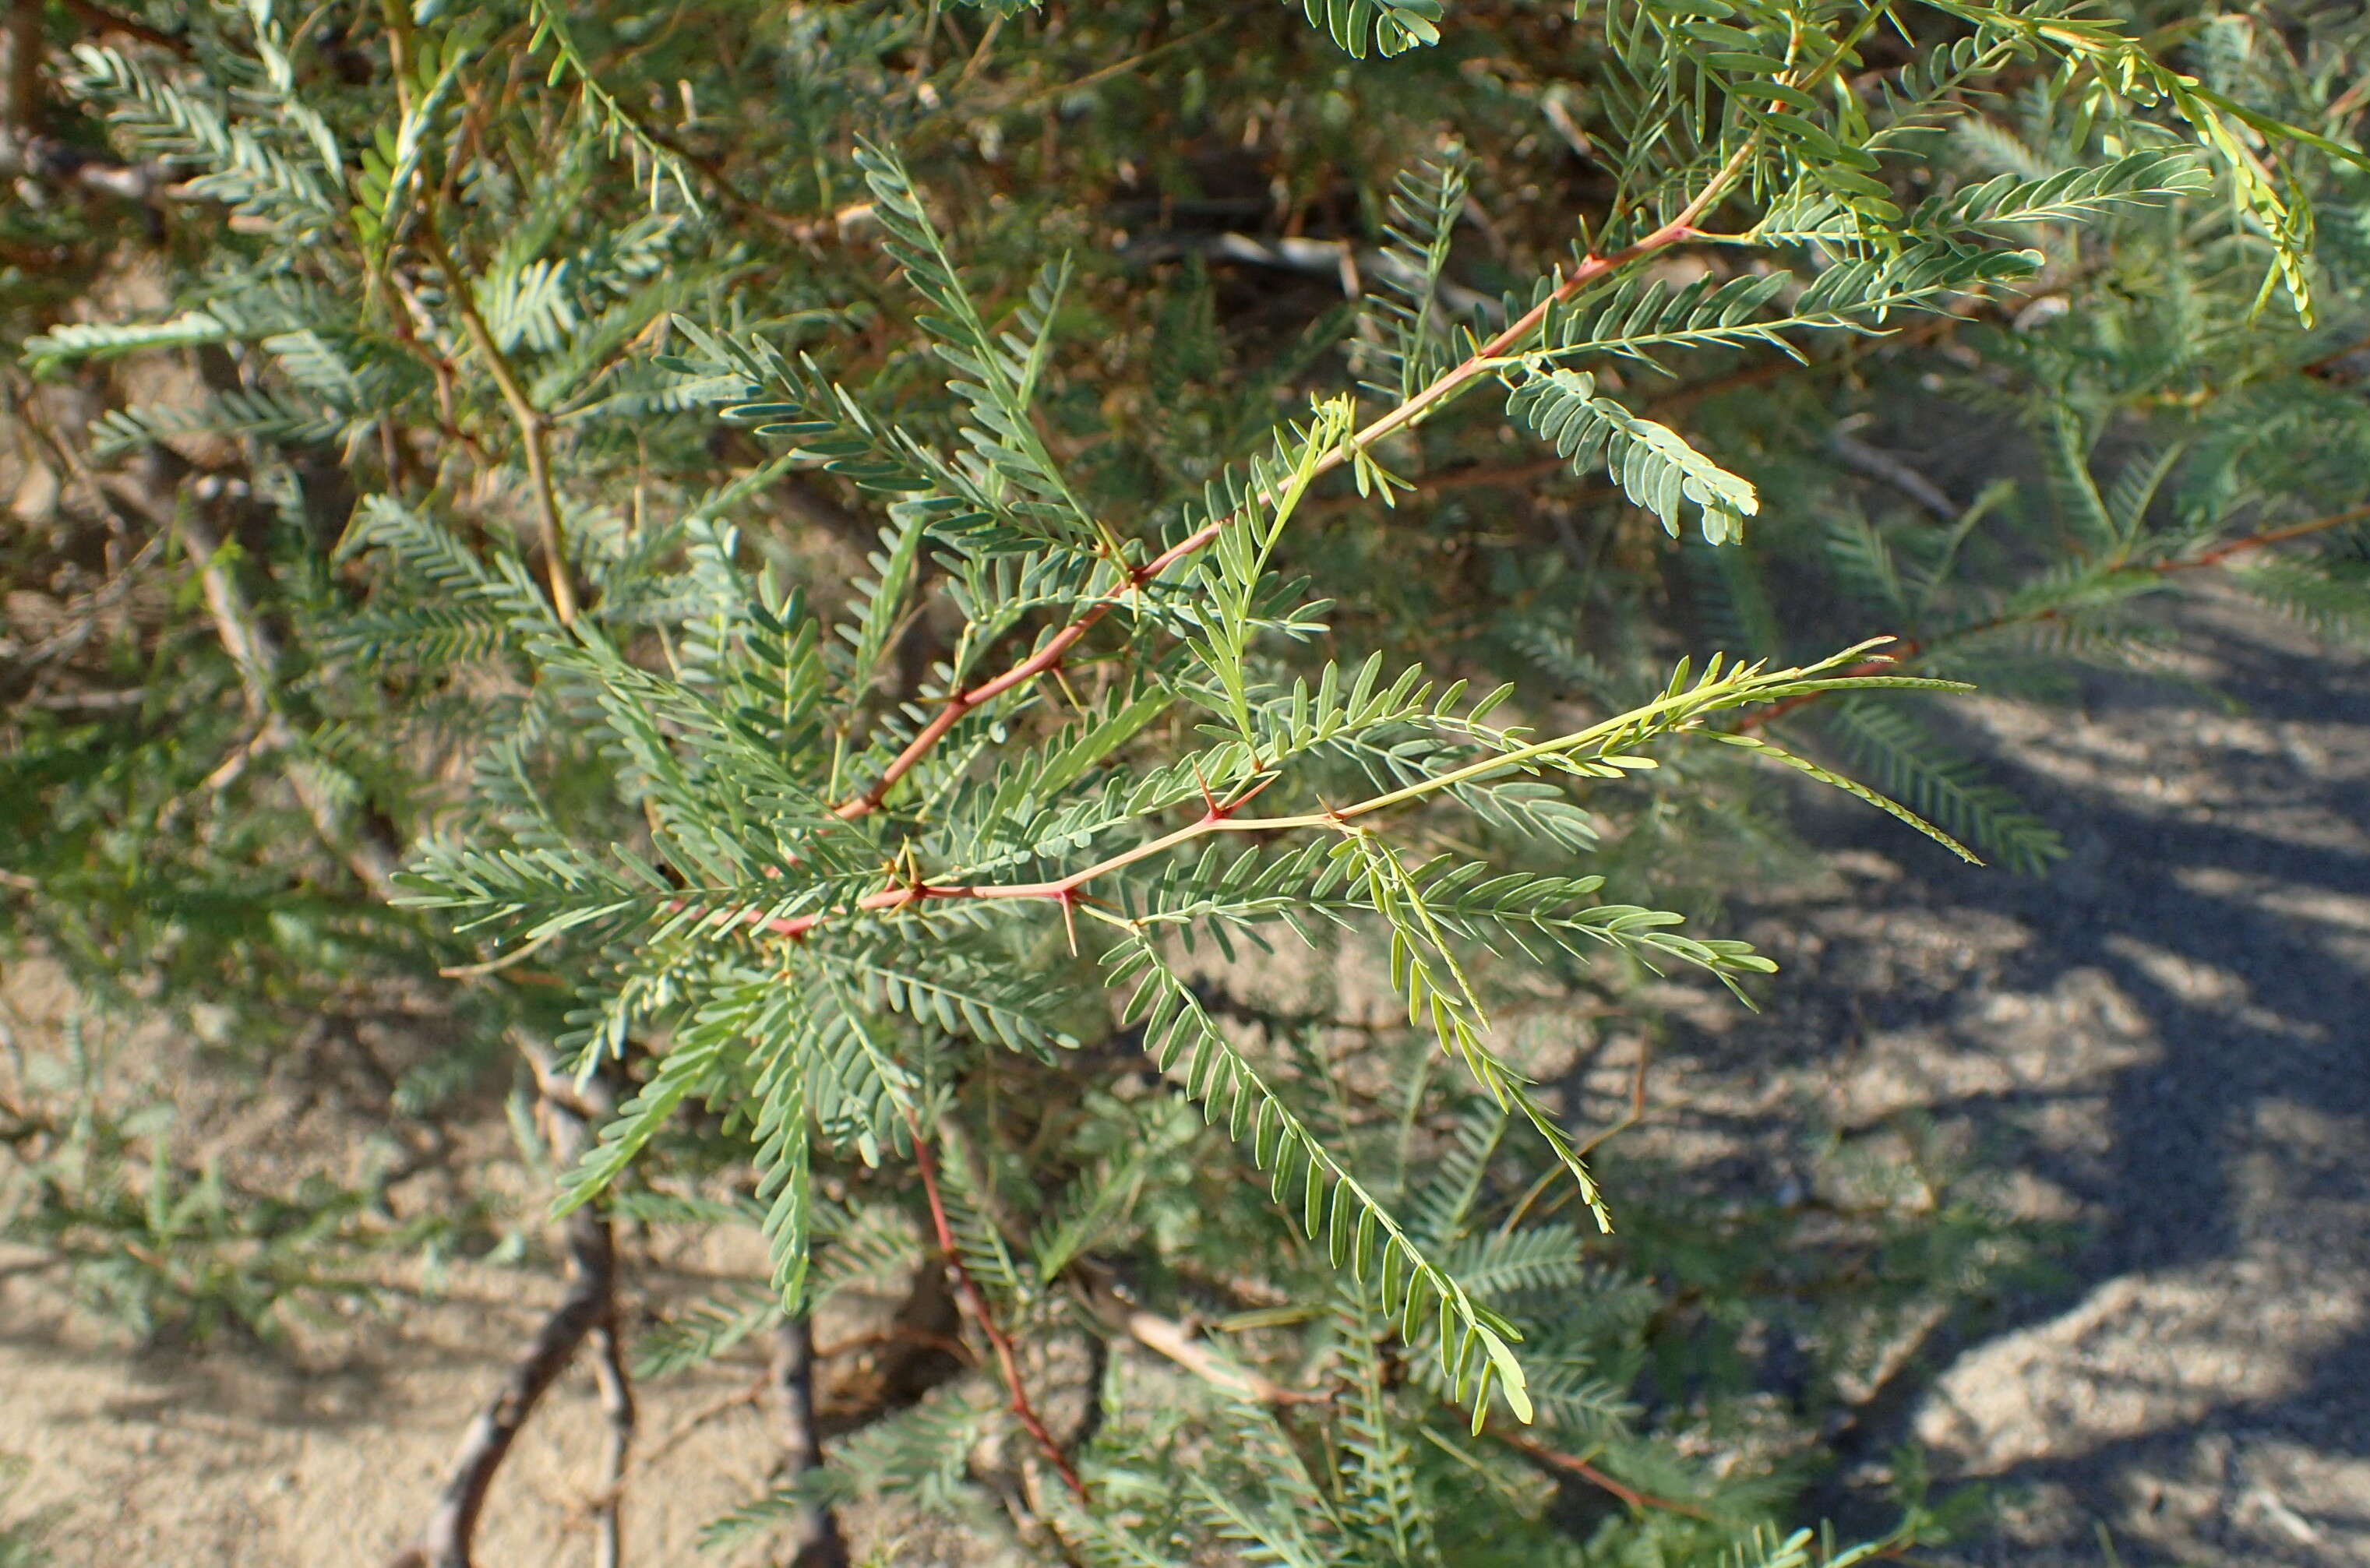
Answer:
(1176, 1342)
(588, 1308)
(1884, 467)
(816, 1541)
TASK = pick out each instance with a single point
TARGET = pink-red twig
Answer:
(1480, 363)
(1067, 890)
(976, 1300)
(1785, 705)
(1574, 1465)
(2258, 541)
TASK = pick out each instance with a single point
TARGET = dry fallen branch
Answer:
(1884, 467)
(815, 1540)
(1175, 1341)
(589, 1308)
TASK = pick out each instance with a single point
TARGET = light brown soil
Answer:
(2167, 1043)
(257, 1459)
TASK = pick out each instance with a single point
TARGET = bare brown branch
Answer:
(20, 69)
(815, 1541)
(589, 1306)
(99, 19)
(617, 1412)
(1175, 1341)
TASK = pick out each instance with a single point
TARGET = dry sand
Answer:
(2167, 1041)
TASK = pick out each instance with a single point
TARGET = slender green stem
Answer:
(532, 427)
(1673, 712)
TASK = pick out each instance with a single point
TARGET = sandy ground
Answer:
(258, 1459)
(2162, 1046)
(2166, 1043)
(325, 1443)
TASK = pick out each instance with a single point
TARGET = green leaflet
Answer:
(1387, 26)
(1652, 463)
(1476, 1349)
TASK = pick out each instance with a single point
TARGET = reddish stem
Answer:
(1407, 414)
(1785, 705)
(1577, 1466)
(976, 1300)
(2275, 537)
(1216, 817)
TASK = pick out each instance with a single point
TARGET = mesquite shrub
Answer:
(831, 577)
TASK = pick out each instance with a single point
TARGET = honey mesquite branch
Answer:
(1674, 713)
(1456, 379)
(776, 853)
